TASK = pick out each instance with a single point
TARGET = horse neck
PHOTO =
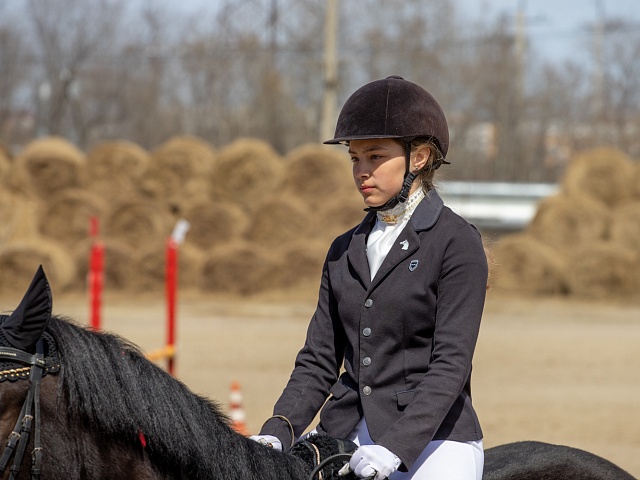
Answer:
(75, 450)
(114, 393)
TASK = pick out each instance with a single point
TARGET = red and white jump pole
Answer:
(171, 284)
(95, 282)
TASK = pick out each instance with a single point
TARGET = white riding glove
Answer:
(268, 441)
(372, 461)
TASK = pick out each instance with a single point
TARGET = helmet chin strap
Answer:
(403, 194)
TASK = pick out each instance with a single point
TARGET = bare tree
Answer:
(69, 34)
(14, 68)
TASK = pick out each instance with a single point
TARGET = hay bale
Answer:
(5, 151)
(635, 181)
(602, 173)
(247, 170)
(313, 170)
(114, 168)
(214, 223)
(19, 262)
(5, 164)
(338, 214)
(151, 267)
(489, 251)
(239, 268)
(299, 262)
(19, 215)
(120, 270)
(66, 217)
(625, 226)
(602, 270)
(564, 221)
(524, 264)
(138, 223)
(279, 220)
(48, 166)
(178, 169)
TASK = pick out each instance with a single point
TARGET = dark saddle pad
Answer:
(319, 448)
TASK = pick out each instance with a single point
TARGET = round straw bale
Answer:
(635, 182)
(19, 214)
(138, 222)
(238, 268)
(602, 173)
(5, 165)
(280, 219)
(315, 172)
(338, 214)
(489, 251)
(177, 169)
(151, 266)
(19, 262)
(114, 168)
(601, 270)
(299, 262)
(5, 151)
(214, 223)
(625, 226)
(247, 170)
(120, 271)
(67, 216)
(49, 165)
(523, 263)
(188, 157)
(564, 221)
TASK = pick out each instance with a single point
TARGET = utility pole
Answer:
(520, 49)
(598, 76)
(330, 95)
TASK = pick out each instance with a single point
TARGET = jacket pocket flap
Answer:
(405, 397)
(339, 389)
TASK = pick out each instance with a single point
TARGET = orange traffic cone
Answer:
(236, 410)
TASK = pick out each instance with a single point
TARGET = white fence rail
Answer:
(495, 206)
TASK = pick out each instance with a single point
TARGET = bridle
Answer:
(29, 418)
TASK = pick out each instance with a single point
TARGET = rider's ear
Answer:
(24, 327)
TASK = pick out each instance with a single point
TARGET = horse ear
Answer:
(24, 327)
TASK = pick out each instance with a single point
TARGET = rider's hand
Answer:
(371, 461)
(268, 441)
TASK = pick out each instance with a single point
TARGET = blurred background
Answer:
(524, 83)
(141, 113)
(119, 118)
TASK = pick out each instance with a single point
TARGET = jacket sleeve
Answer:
(460, 302)
(317, 367)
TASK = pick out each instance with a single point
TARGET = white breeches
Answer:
(440, 460)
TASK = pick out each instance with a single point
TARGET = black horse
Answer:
(94, 407)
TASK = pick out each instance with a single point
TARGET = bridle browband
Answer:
(19, 437)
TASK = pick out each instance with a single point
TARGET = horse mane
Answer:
(110, 388)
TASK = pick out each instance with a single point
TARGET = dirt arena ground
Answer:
(549, 369)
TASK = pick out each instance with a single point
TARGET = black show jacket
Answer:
(405, 339)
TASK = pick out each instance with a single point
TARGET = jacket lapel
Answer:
(357, 252)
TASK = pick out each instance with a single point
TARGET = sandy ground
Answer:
(548, 369)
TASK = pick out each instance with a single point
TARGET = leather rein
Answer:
(29, 418)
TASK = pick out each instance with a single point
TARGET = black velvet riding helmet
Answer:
(393, 108)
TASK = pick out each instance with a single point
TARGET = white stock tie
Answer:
(380, 242)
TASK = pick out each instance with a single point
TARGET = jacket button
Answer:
(367, 390)
(368, 303)
(366, 361)
(366, 332)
